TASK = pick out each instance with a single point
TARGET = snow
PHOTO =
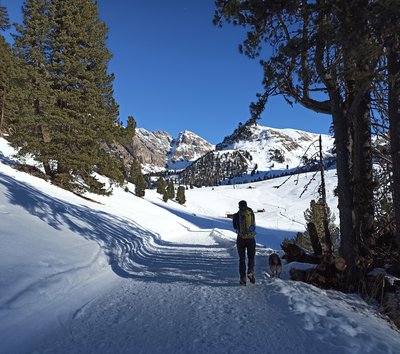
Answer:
(292, 144)
(131, 275)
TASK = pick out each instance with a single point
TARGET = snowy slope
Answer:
(276, 149)
(131, 275)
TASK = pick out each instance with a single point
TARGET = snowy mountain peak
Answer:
(249, 148)
(276, 148)
(254, 152)
(187, 148)
(158, 150)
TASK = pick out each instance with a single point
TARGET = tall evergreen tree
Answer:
(72, 111)
(160, 184)
(180, 195)
(136, 177)
(165, 196)
(30, 123)
(135, 171)
(126, 134)
(170, 190)
(6, 71)
(140, 186)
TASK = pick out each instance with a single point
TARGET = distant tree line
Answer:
(212, 168)
(167, 190)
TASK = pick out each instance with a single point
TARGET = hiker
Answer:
(244, 224)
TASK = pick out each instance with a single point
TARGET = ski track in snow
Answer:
(171, 291)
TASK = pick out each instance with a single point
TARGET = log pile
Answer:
(294, 253)
(330, 273)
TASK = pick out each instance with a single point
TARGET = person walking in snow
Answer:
(244, 224)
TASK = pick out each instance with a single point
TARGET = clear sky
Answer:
(174, 70)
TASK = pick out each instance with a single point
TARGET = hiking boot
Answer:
(243, 281)
(251, 278)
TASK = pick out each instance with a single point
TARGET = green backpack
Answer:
(247, 224)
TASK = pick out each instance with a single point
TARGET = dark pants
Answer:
(243, 244)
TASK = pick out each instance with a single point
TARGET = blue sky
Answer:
(174, 70)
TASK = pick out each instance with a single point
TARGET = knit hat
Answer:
(242, 204)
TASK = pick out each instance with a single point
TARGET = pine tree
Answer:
(160, 186)
(170, 190)
(135, 171)
(4, 19)
(31, 121)
(136, 177)
(140, 186)
(315, 214)
(180, 195)
(131, 127)
(126, 135)
(72, 112)
(7, 65)
(165, 196)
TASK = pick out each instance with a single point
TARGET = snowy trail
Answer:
(186, 299)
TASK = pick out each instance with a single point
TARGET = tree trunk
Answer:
(316, 245)
(328, 239)
(394, 131)
(363, 177)
(343, 143)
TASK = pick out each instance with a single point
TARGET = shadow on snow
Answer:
(133, 251)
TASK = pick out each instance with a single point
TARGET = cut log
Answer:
(340, 264)
(328, 274)
(294, 253)
(316, 245)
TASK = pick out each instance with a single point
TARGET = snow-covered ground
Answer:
(132, 275)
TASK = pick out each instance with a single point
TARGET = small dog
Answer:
(275, 265)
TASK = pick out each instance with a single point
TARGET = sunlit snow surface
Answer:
(131, 275)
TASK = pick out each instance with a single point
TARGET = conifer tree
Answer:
(170, 190)
(315, 214)
(180, 195)
(6, 69)
(126, 134)
(140, 186)
(4, 19)
(136, 177)
(31, 122)
(131, 126)
(71, 112)
(160, 186)
(165, 197)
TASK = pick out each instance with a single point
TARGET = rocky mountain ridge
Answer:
(254, 152)
(251, 150)
(158, 151)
